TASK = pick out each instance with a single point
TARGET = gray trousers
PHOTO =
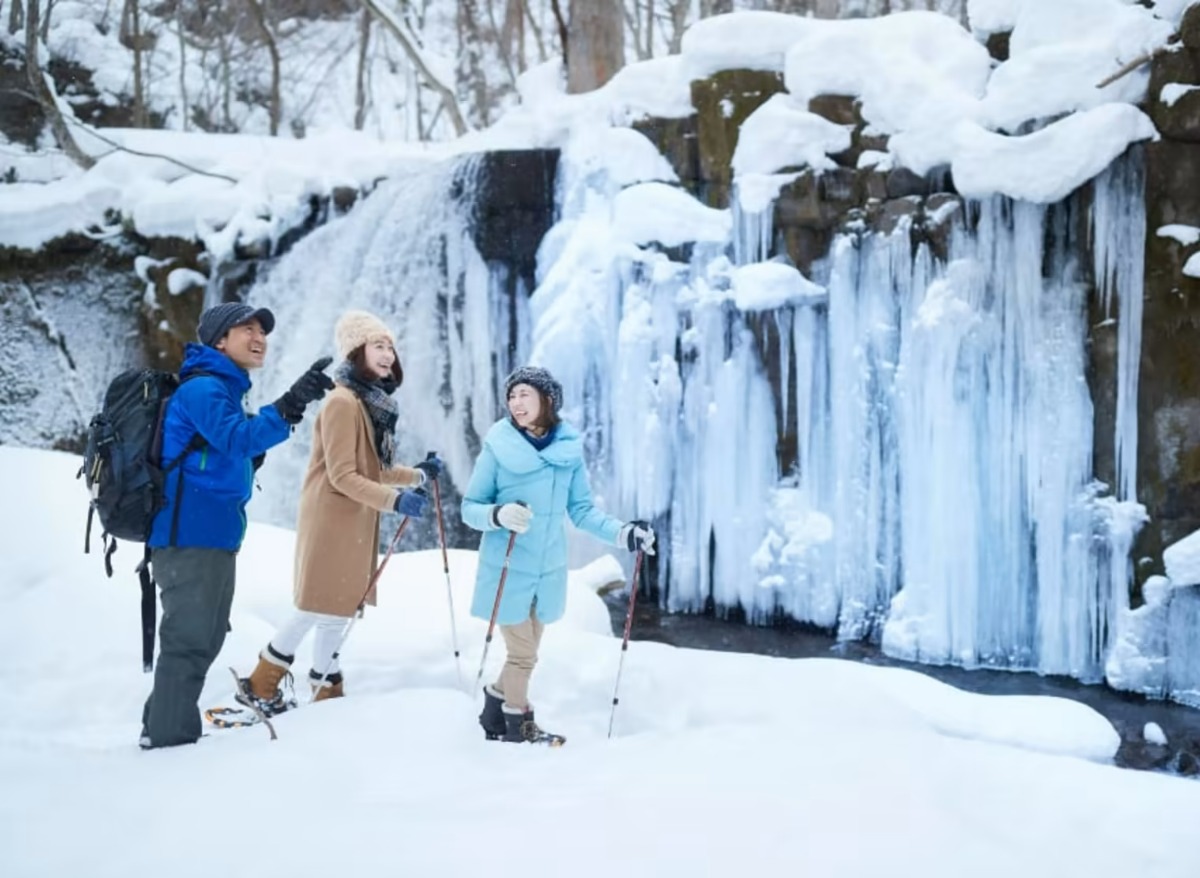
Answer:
(197, 593)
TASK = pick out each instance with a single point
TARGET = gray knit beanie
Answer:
(540, 380)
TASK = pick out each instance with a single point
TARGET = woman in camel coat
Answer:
(350, 481)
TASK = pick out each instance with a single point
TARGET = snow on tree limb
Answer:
(43, 91)
(408, 42)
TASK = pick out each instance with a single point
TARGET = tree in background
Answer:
(595, 48)
(430, 70)
(47, 100)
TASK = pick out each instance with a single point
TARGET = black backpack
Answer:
(123, 470)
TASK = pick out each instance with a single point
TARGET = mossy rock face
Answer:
(1189, 28)
(69, 322)
(998, 45)
(1169, 383)
(723, 102)
(513, 206)
(1181, 119)
(678, 141)
(805, 245)
(169, 319)
(21, 118)
(72, 316)
(838, 109)
(1179, 65)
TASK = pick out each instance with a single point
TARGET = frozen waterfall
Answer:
(405, 254)
(942, 498)
(898, 447)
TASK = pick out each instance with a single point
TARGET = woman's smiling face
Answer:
(525, 405)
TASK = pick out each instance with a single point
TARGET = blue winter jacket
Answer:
(553, 482)
(217, 479)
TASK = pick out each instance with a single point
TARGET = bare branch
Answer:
(360, 77)
(537, 31)
(501, 47)
(117, 147)
(408, 43)
(1144, 58)
(260, 21)
(44, 92)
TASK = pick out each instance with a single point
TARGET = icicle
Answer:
(1119, 243)
(784, 319)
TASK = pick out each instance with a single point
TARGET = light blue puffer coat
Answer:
(554, 484)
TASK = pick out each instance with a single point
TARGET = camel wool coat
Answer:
(345, 490)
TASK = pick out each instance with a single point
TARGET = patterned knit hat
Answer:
(540, 380)
(357, 328)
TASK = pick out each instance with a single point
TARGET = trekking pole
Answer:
(361, 604)
(512, 538)
(437, 500)
(633, 586)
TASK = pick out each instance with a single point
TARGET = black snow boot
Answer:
(492, 716)
(520, 728)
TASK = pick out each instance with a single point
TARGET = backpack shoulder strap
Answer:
(196, 443)
(148, 611)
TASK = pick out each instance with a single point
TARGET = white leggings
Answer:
(325, 641)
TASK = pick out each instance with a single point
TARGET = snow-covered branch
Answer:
(409, 43)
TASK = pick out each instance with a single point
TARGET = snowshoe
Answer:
(521, 728)
(250, 713)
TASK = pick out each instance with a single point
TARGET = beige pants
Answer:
(521, 641)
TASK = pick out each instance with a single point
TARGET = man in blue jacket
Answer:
(196, 536)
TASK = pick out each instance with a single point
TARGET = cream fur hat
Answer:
(355, 329)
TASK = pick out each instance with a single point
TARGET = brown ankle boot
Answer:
(272, 667)
(331, 688)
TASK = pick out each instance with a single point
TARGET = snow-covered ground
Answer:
(720, 763)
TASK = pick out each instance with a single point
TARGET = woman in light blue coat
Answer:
(529, 477)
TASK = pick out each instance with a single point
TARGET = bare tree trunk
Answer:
(595, 44)
(649, 28)
(564, 41)
(131, 38)
(260, 21)
(537, 31)
(406, 42)
(470, 75)
(183, 92)
(678, 10)
(45, 95)
(512, 34)
(502, 45)
(46, 21)
(709, 8)
(16, 16)
(633, 21)
(360, 78)
(226, 85)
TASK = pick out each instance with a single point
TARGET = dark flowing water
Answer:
(1128, 713)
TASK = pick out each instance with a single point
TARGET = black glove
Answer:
(431, 466)
(309, 387)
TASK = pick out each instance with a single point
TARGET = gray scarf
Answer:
(381, 408)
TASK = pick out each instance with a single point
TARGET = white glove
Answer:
(637, 536)
(512, 516)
